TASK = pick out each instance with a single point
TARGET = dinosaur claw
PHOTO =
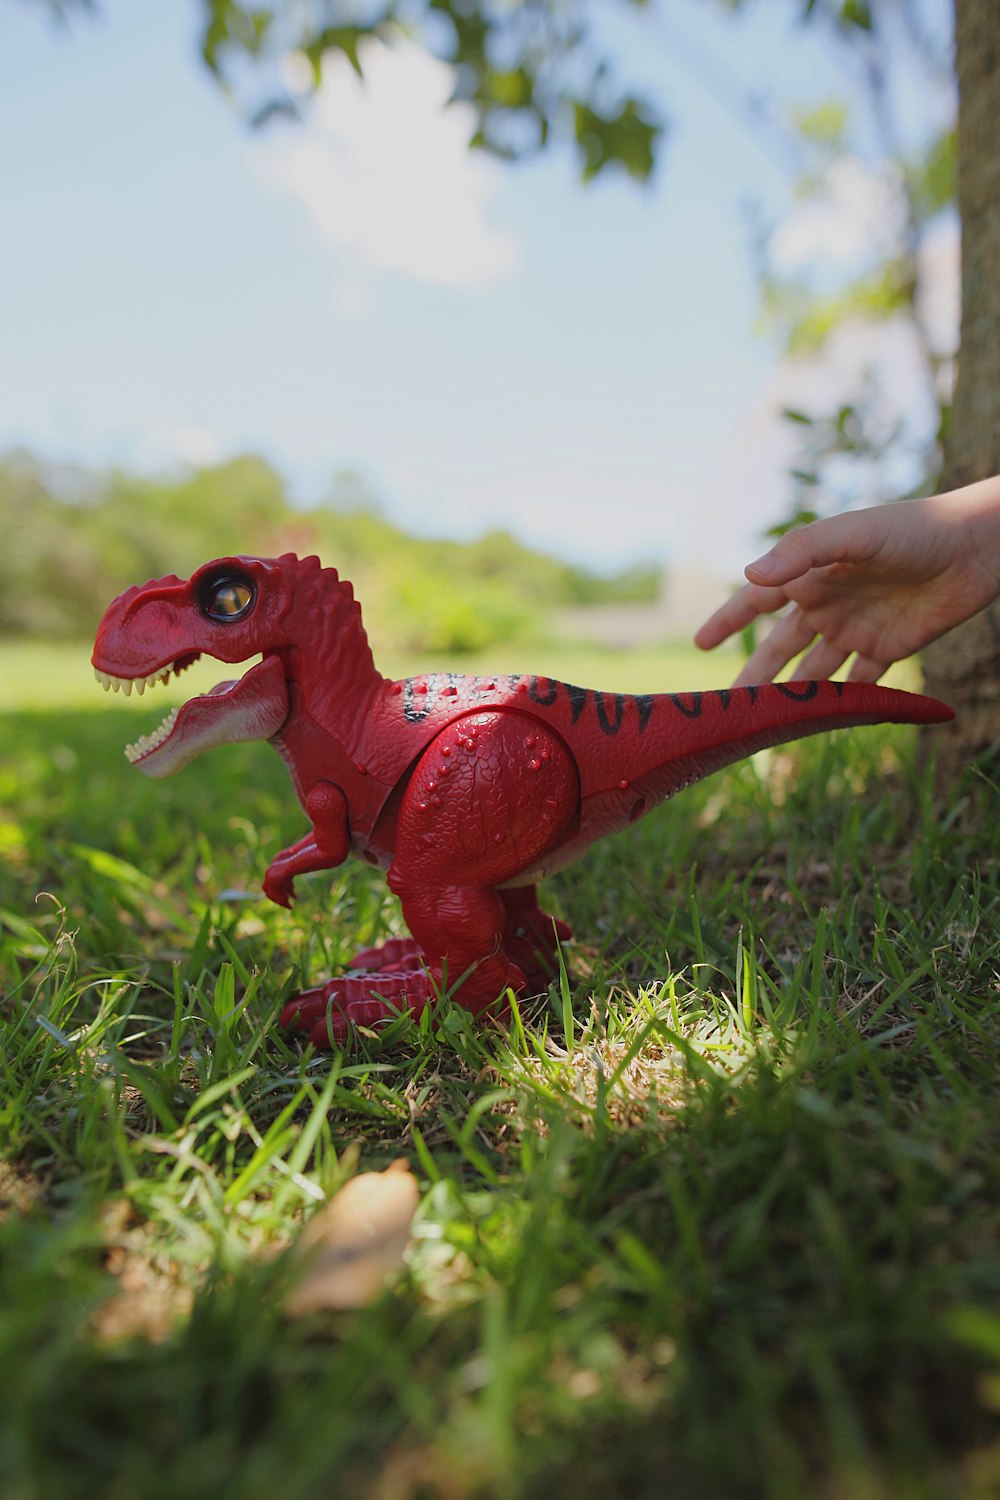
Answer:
(332, 1029)
(318, 1016)
(292, 1018)
(321, 1034)
(394, 955)
(278, 890)
(327, 1014)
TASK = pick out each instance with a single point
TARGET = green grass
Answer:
(719, 1217)
(42, 674)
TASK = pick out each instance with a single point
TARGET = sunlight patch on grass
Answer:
(638, 1055)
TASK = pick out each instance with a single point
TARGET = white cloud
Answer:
(385, 171)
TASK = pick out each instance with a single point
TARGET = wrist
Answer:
(976, 509)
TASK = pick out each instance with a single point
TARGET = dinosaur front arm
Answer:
(325, 847)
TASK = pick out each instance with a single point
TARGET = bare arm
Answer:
(878, 584)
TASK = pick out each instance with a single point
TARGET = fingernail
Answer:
(764, 565)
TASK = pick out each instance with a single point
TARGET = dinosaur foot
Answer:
(533, 945)
(392, 956)
(327, 1014)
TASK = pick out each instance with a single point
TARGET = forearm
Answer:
(975, 509)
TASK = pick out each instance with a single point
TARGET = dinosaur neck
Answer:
(328, 657)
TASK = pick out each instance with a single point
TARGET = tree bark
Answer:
(963, 667)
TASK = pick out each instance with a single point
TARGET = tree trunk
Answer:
(964, 667)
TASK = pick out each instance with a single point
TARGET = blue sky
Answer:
(485, 345)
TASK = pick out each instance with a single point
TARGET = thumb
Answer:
(844, 538)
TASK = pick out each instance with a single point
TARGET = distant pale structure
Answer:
(687, 596)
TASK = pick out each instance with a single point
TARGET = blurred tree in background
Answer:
(532, 73)
(543, 73)
(73, 539)
(535, 72)
(964, 667)
(860, 281)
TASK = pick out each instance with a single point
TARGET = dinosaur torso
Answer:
(631, 751)
(466, 789)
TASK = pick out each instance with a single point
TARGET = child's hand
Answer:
(879, 583)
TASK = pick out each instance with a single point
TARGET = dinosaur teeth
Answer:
(147, 743)
(125, 684)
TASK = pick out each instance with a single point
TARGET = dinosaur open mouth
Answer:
(251, 707)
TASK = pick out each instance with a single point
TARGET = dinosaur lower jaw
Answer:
(254, 707)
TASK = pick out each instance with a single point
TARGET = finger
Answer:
(790, 636)
(866, 669)
(822, 661)
(838, 539)
(744, 606)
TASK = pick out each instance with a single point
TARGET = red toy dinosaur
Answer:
(466, 789)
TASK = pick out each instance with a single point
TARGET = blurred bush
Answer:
(72, 539)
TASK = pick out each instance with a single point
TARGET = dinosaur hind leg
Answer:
(531, 936)
(490, 796)
(459, 931)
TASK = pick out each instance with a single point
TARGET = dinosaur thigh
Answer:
(492, 792)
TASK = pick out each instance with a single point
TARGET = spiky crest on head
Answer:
(325, 623)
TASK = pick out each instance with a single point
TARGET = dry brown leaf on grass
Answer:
(352, 1245)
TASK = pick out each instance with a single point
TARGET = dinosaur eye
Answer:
(229, 599)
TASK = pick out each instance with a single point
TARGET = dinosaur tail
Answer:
(709, 730)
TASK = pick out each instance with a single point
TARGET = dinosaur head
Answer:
(232, 609)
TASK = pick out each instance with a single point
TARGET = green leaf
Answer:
(825, 125)
(627, 138)
(512, 89)
(344, 39)
(856, 13)
(801, 517)
(932, 179)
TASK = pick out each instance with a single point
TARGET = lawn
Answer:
(718, 1217)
